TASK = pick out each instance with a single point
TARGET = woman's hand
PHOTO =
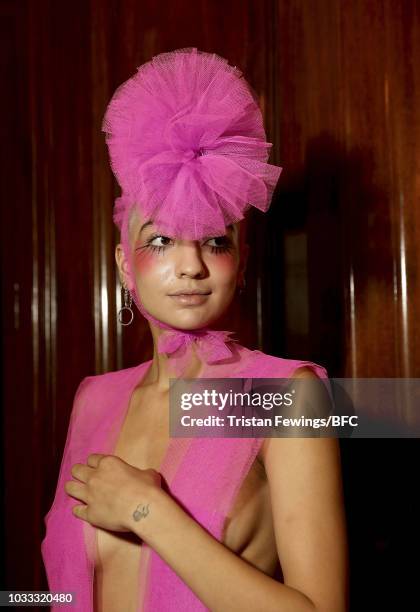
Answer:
(116, 495)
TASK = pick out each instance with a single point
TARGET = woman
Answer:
(142, 521)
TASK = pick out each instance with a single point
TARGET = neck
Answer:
(160, 372)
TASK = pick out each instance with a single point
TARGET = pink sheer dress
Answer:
(203, 474)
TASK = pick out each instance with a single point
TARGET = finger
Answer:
(81, 471)
(94, 459)
(80, 512)
(76, 490)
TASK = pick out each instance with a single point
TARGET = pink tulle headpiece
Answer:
(187, 145)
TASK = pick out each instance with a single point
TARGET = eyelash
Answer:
(216, 250)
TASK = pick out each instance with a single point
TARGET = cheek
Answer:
(151, 270)
(225, 268)
(144, 263)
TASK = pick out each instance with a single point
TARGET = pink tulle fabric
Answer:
(203, 474)
(212, 346)
(187, 145)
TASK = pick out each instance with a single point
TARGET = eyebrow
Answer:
(145, 225)
(150, 222)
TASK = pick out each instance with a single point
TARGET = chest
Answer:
(142, 442)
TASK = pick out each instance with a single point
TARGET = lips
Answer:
(186, 292)
(190, 299)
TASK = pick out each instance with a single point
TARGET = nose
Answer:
(189, 261)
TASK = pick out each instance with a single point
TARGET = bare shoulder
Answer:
(304, 372)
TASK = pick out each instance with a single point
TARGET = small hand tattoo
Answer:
(139, 514)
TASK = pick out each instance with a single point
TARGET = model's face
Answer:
(163, 267)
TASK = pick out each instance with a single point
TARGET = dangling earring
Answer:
(242, 287)
(128, 300)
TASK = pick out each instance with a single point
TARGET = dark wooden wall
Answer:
(334, 271)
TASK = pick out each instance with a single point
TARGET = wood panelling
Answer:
(348, 127)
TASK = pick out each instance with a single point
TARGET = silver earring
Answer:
(242, 287)
(128, 301)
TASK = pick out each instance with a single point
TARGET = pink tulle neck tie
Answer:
(211, 346)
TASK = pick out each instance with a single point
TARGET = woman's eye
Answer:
(153, 244)
(223, 244)
(165, 240)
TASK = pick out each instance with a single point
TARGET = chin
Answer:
(189, 325)
(189, 320)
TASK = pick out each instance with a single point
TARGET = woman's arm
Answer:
(223, 581)
(306, 495)
(309, 515)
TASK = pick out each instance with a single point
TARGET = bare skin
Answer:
(289, 507)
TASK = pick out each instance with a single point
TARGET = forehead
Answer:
(139, 225)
